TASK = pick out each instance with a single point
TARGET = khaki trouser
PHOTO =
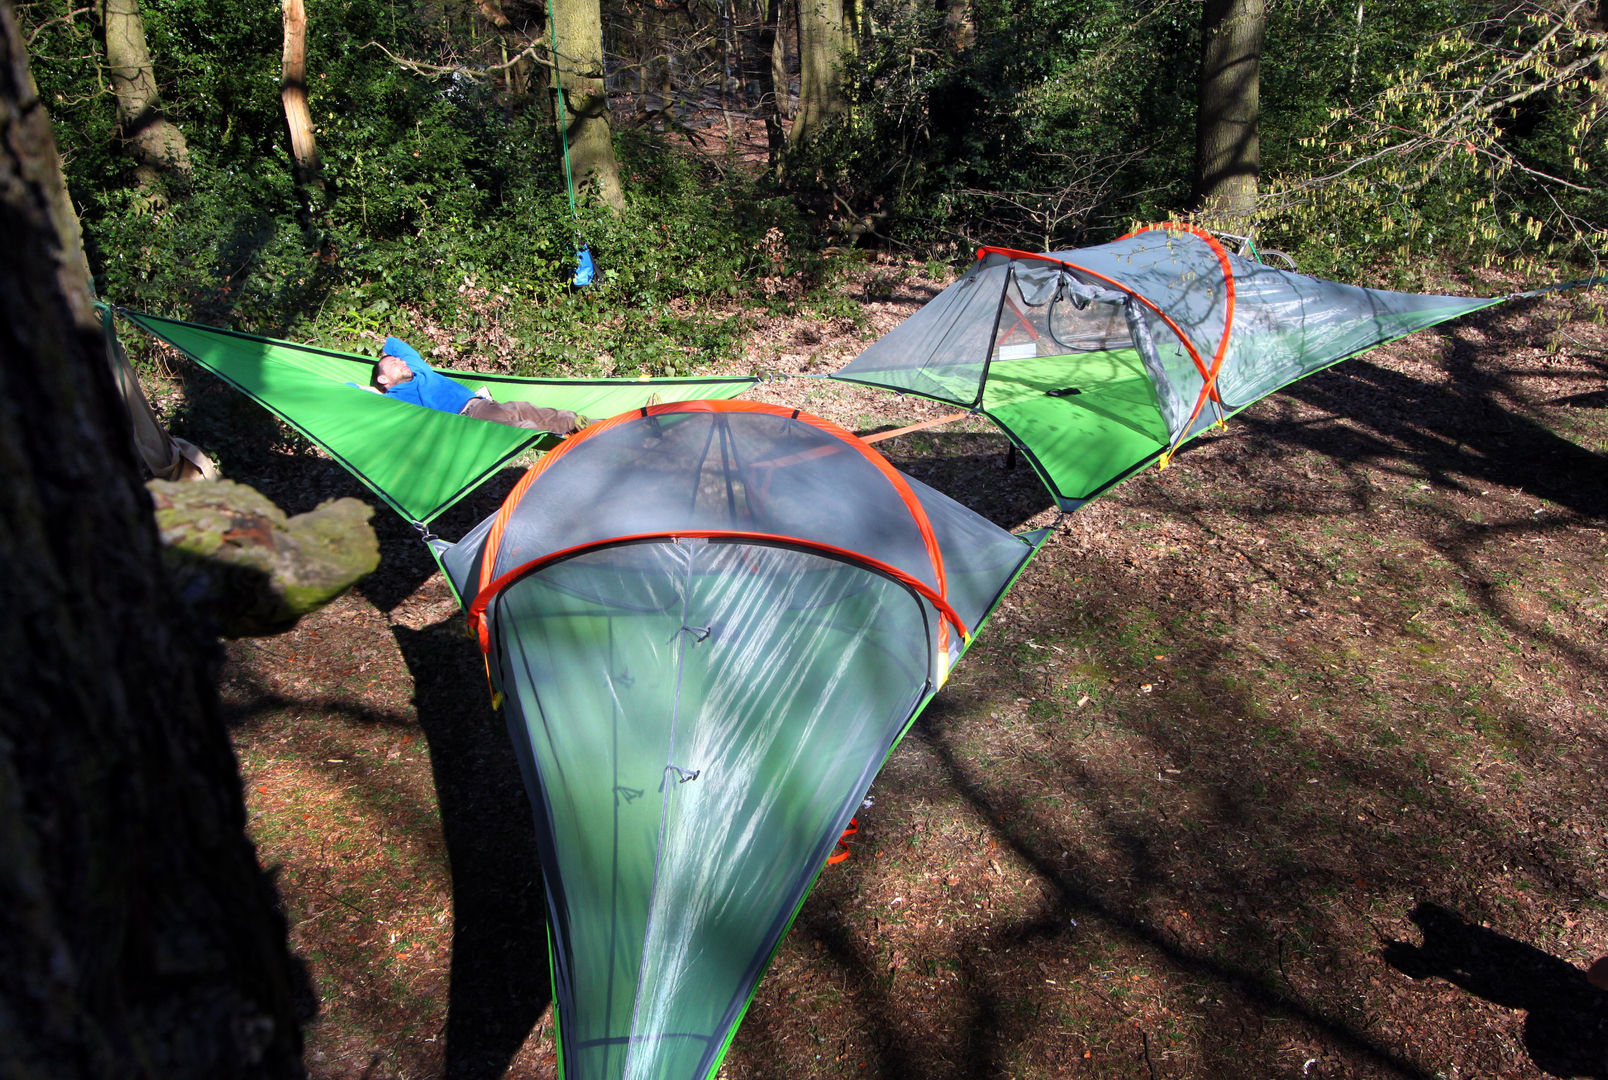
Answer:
(521, 414)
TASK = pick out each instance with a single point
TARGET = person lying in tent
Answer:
(403, 374)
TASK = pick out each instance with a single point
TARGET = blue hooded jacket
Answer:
(428, 387)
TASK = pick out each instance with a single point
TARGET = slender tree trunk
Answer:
(154, 141)
(1356, 50)
(578, 25)
(823, 46)
(138, 936)
(773, 88)
(642, 50)
(293, 93)
(786, 41)
(960, 25)
(1227, 150)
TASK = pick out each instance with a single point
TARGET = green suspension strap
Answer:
(584, 269)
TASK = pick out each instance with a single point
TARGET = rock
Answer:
(239, 560)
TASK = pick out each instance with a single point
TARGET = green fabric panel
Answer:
(1078, 442)
(418, 460)
(598, 399)
(668, 893)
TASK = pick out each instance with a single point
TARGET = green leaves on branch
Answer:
(1490, 144)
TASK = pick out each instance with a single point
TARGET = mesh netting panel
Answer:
(940, 351)
(1048, 312)
(697, 721)
(1288, 324)
(1179, 274)
(980, 558)
(750, 472)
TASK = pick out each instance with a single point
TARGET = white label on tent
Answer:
(1023, 351)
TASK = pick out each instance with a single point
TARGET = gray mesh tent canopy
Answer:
(1098, 361)
(711, 622)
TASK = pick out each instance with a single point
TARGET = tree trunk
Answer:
(154, 141)
(578, 25)
(779, 72)
(823, 47)
(772, 72)
(960, 25)
(293, 93)
(1227, 152)
(138, 936)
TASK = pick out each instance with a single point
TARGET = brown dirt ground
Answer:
(1285, 761)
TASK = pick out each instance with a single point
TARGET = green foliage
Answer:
(1483, 146)
(1059, 123)
(1450, 127)
(443, 207)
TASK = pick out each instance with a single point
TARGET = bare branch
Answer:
(535, 52)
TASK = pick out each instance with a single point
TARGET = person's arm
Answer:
(407, 354)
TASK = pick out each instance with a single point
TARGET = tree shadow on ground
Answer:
(1122, 910)
(1566, 1031)
(1461, 426)
(976, 469)
(500, 982)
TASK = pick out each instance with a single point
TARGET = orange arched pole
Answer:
(1189, 347)
(483, 599)
(850, 440)
(1209, 387)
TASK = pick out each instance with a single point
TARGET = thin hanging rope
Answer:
(558, 120)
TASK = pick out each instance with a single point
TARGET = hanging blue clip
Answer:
(584, 270)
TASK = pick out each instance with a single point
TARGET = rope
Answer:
(1581, 283)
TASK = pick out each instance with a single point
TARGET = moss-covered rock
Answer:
(238, 559)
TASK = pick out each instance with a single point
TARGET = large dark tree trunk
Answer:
(1227, 147)
(138, 936)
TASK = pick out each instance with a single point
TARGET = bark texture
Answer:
(293, 94)
(823, 49)
(1227, 147)
(773, 84)
(154, 141)
(138, 936)
(578, 26)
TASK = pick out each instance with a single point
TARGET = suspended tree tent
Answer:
(420, 461)
(712, 621)
(1098, 361)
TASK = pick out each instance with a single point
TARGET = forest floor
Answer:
(1286, 761)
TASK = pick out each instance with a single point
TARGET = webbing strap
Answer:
(558, 119)
(842, 851)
